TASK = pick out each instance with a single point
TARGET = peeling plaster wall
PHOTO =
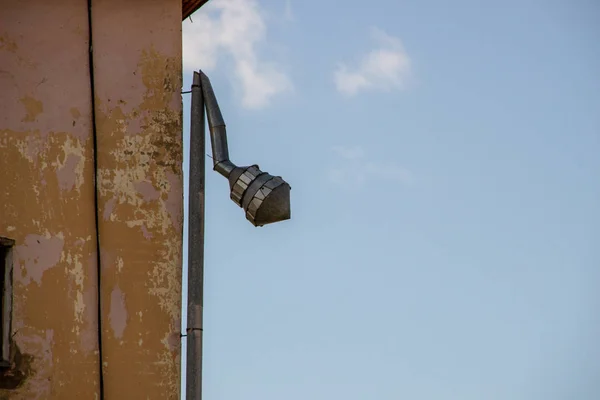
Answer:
(137, 83)
(47, 199)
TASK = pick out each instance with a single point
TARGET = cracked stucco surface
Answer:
(138, 123)
(47, 196)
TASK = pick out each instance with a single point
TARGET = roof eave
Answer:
(189, 6)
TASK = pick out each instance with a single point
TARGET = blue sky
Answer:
(445, 172)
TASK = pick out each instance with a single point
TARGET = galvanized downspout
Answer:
(264, 198)
(218, 132)
(195, 244)
(201, 91)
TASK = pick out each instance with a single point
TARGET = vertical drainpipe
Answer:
(265, 199)
(196, 244)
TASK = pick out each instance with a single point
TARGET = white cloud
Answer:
(354, 169)
(234, 28)
(385, 67)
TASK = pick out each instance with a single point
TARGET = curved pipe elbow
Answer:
(218, 131)
(224, 167)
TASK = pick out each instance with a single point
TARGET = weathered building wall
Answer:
(47, 199)
(47, 196)
(137, 84)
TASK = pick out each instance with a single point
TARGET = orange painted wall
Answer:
(47, 198)
(48, 188)
(137, 84)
